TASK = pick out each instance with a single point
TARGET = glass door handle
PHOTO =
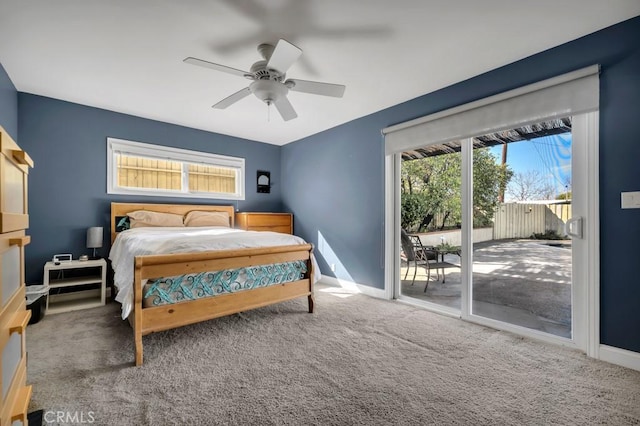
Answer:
(573, 227)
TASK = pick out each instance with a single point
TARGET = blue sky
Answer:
(549, 155)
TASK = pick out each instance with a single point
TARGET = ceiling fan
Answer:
(268, 75)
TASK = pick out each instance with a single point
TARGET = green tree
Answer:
(488, 178)
(431, 188)
(435, 182)
(413, 210)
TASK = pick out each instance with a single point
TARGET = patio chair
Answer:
(420, 255)
(415, 252)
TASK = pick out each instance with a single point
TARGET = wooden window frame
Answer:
(184, 156)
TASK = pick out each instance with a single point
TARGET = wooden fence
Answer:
(522, 220)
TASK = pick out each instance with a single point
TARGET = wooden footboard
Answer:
(158, 318)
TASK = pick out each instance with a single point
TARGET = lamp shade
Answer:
(94, 237)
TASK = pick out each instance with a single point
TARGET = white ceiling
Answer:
(126, 56)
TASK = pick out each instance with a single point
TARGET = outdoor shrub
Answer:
(414, 208)
(549, 234)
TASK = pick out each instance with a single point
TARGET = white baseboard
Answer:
(354, 287)
(619, 356)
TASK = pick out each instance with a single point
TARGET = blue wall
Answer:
(337, 194)
(8, 105)
(67, 187)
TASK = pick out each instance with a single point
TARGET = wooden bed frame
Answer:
(159, 318)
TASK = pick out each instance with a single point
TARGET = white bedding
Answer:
(155, 240)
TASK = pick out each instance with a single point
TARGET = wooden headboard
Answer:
(121, 209)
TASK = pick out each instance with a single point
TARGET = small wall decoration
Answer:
(264, 181)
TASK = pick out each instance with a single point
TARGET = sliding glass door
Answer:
(502, 195)
(490, 230)
(522, 255)
(431, 216)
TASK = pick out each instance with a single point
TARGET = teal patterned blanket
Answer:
(180, 288)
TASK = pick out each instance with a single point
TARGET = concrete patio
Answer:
(522, 282)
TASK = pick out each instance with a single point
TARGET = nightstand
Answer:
(75, 275)
(254, 221)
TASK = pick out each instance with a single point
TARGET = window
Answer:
(143, 169)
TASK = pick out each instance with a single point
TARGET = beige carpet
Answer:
(356, 361)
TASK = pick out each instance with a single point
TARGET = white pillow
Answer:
(204, 218)
(144, 218)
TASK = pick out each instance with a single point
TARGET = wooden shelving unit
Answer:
(14, 316)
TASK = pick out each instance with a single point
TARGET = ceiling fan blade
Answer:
(285, 108)
(283, 56)
(230, 100)
(315, 87)
(217, 67)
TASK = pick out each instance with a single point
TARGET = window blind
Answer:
(573, 93)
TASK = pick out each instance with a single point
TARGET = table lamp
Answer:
(94, 239)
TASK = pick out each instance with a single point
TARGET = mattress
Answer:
(159, 240)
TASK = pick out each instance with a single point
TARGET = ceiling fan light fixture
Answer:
(268, 90)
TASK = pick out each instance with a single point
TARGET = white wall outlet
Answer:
(333, 267)
(630, 200)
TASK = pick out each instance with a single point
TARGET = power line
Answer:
(545, 163)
